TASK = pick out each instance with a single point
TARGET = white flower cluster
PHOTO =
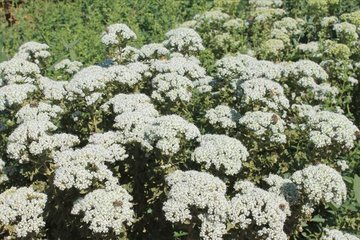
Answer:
(212, 18)
(342, 164)
(171, 86)
(255, 207)
(289, 26)
(320, 184)
(346, 30)
(329, 128)
(329, 21)
(310, 47)
(68, 66)
(244, 67)
(220, 151)
(52, 90)
(188, 67)
(127, 54)
(134, 113)
(33, 52)
(184, 40)
(40, 111)
(82, 167)
(106, 210)
(22, 208)
(284, 188)
(122, 103)
(266, 10)
(309, 75)
(234, 24)
(90, 82)
(266, 93)
(153, 51)
(14, 94)
(273, 46)
(223, 116)
(185, 66)
(119, 74)
(266, 3)
(265, 125)
(202, 191)
(304, 68)
(31, 138)
(18, 70)
(167, 132)
(3, 176)
(333, 234)
(117, 34)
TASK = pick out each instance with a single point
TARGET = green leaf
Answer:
(318, 218)
(357, 188)
(180, 234)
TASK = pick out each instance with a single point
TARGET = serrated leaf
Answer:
(357, 188)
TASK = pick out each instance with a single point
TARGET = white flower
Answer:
(265, 125)
(171, 86)
(304, 68)
(14, 94)
(122, 103)
(86, 81)
(106, 210)
(223, 116)
(211, 16)
(22, 208)
(18, 70)
(3, 177)
(310, 47)
(81, 168)
(343, 165)
(119, 74)
(329, 129)
(166, 133)
(244, 67)
(200, 191)
(132, 126)
(288, 25)
(263, 14)
(68, 66)
(333, 234)
(255, 206)
(33, 51)
(153, 51)
(266, 93)
(346, 29)
(273, 46)
(353, 81)
(284, 188)
(32, 138)
(328, 21)
(117, 34)
(52, 90)
(220, 151)
(184, 40)
(185, 66)
(140, 68)
(266, 3)
(39, 111)
(320, 184)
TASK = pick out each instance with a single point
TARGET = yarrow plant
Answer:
(238, 124)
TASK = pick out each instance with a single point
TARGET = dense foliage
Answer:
(237, 124)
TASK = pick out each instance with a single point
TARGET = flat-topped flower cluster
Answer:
(249, 149)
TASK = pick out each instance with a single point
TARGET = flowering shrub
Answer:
(160, 144)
